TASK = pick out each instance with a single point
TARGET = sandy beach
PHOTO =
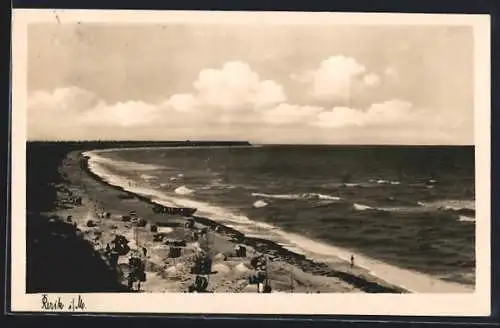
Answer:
(99, 212)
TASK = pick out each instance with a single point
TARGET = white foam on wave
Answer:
(360, 207)
(396, 209)
(464, 218)
(382, 181)
(148, 177)
(259, 204)
(413, 281)
(451, 204)
(303, 196)
(183, 190)
(129, 165)
(217, 184)
(119, 181)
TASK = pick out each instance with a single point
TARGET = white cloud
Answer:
(333, 79)
(62, 100)
(123, 114)
(73, 107)
(393, 112)
(232, 94)
(235, 87)
(182, 102)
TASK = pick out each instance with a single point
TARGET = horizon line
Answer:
(244, 141)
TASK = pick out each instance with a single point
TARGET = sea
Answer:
(408, 208)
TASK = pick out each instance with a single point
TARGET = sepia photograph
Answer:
(324, 159)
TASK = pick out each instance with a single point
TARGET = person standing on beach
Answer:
(352, 261)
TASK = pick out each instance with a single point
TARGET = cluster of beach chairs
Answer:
(202, 261)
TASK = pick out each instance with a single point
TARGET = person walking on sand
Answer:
(352, 261)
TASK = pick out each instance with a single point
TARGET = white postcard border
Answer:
(474, 304)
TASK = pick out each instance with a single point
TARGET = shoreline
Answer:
(304, 273)
(364, 282)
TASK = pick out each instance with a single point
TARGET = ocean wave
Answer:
(259, 204)
(120, 164)
(216, 184)
(451, 204)
(148, 177)
(464, 218)
(382, 181)
(323, 252)
(303, 196)
(360, 207)
(183, 190)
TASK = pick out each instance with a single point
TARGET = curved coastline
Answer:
(365, 281)
(366, 284)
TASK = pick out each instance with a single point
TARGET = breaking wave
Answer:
(148, 177)
(304, 196)
(451, 204)
(382, 181)
(464, 218)
(303, 245)
(183, 190)
(259, 204)
(360, 207)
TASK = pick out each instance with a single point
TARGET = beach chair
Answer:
(142, 223)
(189, 224)
(174, 252)
(240, 251)
(158, 237)
(200, 285)
(203, 264)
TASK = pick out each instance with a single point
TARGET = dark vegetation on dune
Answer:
(58, 260)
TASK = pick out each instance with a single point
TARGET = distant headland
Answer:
(103, 144)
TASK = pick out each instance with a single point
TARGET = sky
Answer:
(319, 84)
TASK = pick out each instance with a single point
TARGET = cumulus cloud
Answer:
(62, 100)
(333, 79)
(393, 112)
(123, 114)
(233, 93)
(182, 102)
(64, 111)
(232, 96)
(235, 87)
